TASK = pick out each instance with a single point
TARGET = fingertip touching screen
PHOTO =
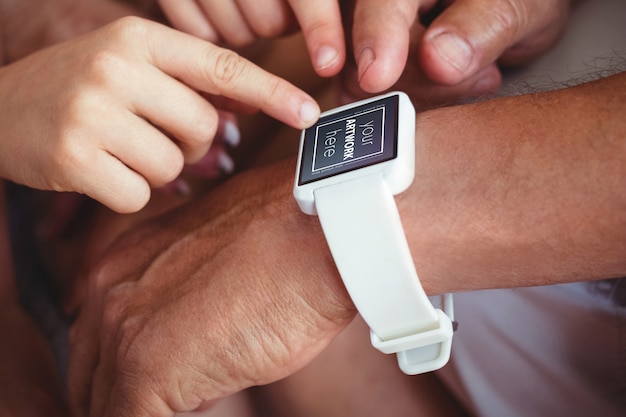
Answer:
(350, 139)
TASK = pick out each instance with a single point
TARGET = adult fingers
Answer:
(322, 28)
(219, 71)
(228, 21)
(426, 94)
(103, 303)
(380, 39)
(268, 18)
(188, 16)
(116, 329)
(469, 35)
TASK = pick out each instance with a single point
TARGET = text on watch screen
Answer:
(350, 139)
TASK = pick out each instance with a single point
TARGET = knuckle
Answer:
(407, 11)
(67, 161)
(113, 59)
(227, 68)
(316, 27)
(172, 167)
(129, 29)
(116, 302)
(273, 91)
(103, 276)
(510, 17)
(107, 68)
(121, 321)
(203, 129)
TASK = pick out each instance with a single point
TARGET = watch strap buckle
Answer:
(420, 352)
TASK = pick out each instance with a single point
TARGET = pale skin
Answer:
(31, 25)
(132, 76)
(496, 203)
(477, 35)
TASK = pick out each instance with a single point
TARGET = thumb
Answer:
(470, 35)
(380, 40)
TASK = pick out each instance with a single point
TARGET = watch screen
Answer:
(351, 139)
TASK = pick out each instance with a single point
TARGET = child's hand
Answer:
(215, 164)
(121, 110)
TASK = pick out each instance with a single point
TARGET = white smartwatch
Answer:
(350, 165)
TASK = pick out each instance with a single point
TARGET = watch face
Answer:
(350, 139)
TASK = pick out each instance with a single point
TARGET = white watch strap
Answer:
(365, 235)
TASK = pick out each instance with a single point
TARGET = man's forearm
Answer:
(521, 191)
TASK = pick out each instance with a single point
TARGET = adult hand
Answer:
(469, 36)
(102, 108)
(240, 289)
(382, 36)
(453, 56)
(157, 335)
(240, 22)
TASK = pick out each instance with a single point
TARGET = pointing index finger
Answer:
(218, 71)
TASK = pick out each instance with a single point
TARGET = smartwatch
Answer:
(350, 165)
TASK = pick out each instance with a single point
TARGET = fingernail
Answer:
(226, 163)
(326, 56)
(366, 57)
(232, 136)
(309, 112)
(454, 50)
(182, 187)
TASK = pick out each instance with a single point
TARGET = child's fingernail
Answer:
(226, 163)
(309, 112)
(232, 136)
(182, 187)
